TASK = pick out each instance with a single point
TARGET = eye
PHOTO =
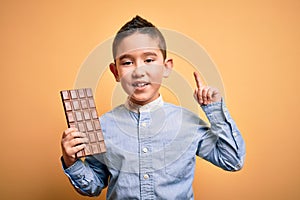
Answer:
(149, 60)
(126, 63)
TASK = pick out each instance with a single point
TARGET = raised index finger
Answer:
(197, 79)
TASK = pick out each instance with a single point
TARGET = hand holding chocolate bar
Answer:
(84, 135)
(72, 142)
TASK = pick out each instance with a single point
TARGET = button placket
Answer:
(145, 160)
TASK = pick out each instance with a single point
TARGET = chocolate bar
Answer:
(81, 113)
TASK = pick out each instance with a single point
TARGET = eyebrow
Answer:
(124, 56)
(148, 53)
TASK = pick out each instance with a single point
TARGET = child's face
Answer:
(140, 67)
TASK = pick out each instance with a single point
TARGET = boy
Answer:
(151, 145)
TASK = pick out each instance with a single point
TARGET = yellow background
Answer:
(255, 44)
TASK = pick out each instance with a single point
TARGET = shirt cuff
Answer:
(75, 174)
(216, 112)
(75, 167)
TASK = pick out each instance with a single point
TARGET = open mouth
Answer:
(140, 84)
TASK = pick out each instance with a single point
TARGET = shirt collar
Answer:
(154, 105)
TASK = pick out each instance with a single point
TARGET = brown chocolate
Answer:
(81, 113)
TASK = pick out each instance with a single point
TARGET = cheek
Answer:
(125, 80)
(157, 79)
(156, 74)
(125, 73)
(126, 87)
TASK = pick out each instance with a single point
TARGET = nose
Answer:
(139, 70)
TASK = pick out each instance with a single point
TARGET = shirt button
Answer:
(234, 134)
(145, 150)
(146, 176)
(144, 124)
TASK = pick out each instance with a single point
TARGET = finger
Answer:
(69, 131)
(78, 135)
(195, 95)
(204, 94)
(73, 150)
(73, 139)
(78, 141)
(197, 79)
(79, 147)
(199, 95)
(216, 96)
(75, 134)
(210, 95)
(68, 144)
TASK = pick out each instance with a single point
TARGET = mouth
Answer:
(140, 84)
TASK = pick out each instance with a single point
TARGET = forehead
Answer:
(135, 42)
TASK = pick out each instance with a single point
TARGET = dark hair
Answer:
(140, 25)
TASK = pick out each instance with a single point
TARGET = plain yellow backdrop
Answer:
(255, 45)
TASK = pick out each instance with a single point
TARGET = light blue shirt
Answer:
(151, 151)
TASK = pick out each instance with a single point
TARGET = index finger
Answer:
(197, 79)
(68, 131)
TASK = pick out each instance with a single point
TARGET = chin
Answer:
(140, 100)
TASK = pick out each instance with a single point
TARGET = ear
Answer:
(168, 67)
(114, 70)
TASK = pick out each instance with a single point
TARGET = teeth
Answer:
(139, 84)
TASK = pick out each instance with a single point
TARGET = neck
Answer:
(136, 107)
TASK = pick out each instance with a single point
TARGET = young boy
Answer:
(151, 145)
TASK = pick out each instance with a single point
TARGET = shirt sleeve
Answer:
(88, 177)
(222, 144)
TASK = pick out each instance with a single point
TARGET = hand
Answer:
(72, 141)
(205, 95)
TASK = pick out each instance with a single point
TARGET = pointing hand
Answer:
(205, 95)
